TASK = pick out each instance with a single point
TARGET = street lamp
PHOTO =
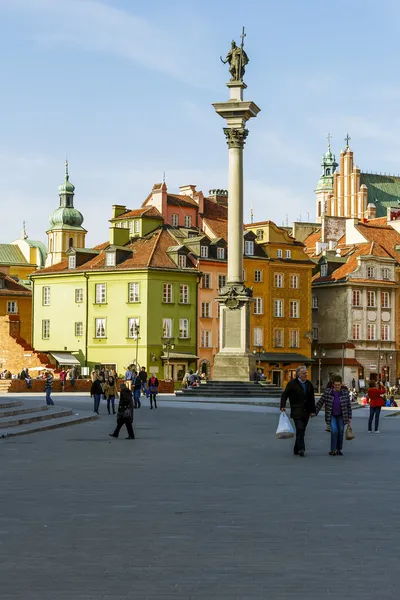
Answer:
(320, 354)
(168, 344)
(136, 333)
(384, 356)
(258, 349)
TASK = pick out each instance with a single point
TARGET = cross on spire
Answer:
(347, 139)
(329, 137)
(243, 36)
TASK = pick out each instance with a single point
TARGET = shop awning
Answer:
(65, 358)
(179, 356)
(284, 357)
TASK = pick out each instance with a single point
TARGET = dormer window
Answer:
(182, 261)
(137, 226)
(204, 251)
(221, 253)
(175, 220)
(324, 270)
(288, 253)
(385, 273)
(110, 259)
(249, 248)
(371, 272)
(279, 253)
(260, 234)
(72, 262)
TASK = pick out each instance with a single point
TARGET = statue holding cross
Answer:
(237, 59)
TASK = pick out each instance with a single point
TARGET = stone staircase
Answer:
(16, 418)
(232, 389)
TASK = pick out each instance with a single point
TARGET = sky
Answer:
(125, 90)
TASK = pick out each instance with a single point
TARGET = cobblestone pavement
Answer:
(203, 504)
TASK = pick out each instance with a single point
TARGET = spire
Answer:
(329, 137)
(347, 139)
(251, 214)
(24, 235)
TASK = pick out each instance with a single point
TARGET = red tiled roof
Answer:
(382, 234)
(181, 200)
(215, 216)
(12, 287)
(148, 211)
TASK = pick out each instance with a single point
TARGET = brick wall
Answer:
(16, 353)
(81, 386)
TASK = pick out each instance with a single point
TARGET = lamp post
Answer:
(320, 354)
(137, 331)
(258, 349)
(384, 356)
(168, 344)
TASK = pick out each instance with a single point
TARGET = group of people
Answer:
(338, 411)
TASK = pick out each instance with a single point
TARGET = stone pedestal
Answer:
(234, 362)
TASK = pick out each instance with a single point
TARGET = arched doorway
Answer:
(205, 368)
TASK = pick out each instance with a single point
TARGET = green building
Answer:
(132, 300)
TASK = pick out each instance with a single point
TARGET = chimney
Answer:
(187, 190)
(159, 198)
(371, 211)
(117, 210)
(219, 196)
(119, 236)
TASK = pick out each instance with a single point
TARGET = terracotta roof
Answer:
(181, 200)
(215, 216)
(384, 235)
(147, 211)
(12, 287)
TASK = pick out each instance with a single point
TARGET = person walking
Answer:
(48, 387)
(300, 393)
(128, 378)
(96, 391)
(338, 412)
(376, 401)
(125, 413)
(63, 376)
(153, 391)
(110, 393)
(137, 386)
(143, 378)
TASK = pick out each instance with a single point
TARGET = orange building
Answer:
(15, 299)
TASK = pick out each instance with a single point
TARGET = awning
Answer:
(65, 358)
(179, 355)
(284, 357)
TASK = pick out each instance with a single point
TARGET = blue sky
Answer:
(125, 89)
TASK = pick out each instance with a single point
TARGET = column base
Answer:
(234, 366)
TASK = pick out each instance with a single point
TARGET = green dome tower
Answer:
(325, 184)
(66, 229)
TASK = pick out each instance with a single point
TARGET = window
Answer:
(244, 274)
(356, 331)
(248, 248)
(46, 296)
(356, 301)
(324, 270)
(46, 329)
(258, 306)
(167, 328)
(125, 225)
(278, 338)
(260, 234)
(100, 328)
(371, 272)
(175, 220)
(288, 253)
(371, 331)
(184, 294)
(221, 281)
(279, 253)
(101, 296)
(137, 226)
(258, 276)
(188, 221)
(167, 293)
(207, 281)
(79, 328)
(12, 307)
(70, 243)
(110, 259)
(182, 261)
(204, 251)
(315, 301)
(221, 253)
(294, 282)
(385, 332)
(205, 310)
(294, 312)
(205, 340)
(278, 280)
(278, 308)
(371, 299)
(79, 295)
(315, 334)
(133, 328)
(131, 227)
(258, 336)
(133, 291)
(294, 338)
(385, 299)
(385, 273)
(72, 262)
(184, 328)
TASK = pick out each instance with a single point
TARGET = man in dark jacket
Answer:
(300, 392)
(125, 413)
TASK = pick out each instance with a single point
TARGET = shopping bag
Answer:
(349, 433)
(285, 428)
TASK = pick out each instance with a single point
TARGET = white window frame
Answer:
(100, 327)
(221, 253)
(175, 220)
(279, 340)
(258, 306)
(258, 335)
(356, 298)
(110, 259)
(356, 331)
(182, 261)
(278, 280)
(133, 328)
(78, 295)
(221, 280)
(136, 226)
(204, 251)
(371, 299)
(46, 295)
(385, 299)
(370, 272)
(101, 293)
(12, 307)
(288, 254)
(260, 234)
(205, 338)
(279, 253)
(371, 331)
(78, 328)
(167, 327)
(133, 292)
(206, 310)
(324, 270)
(45, 329)
(294, 309)
(72, 261)
(188, 221)
(314, 301)
(385, 273)
(294, 281)
(315, 333)
(385, 332)
(184, 294)
(206, 279)
(249, 248)
(258, 275)
(168, 297)
(184, 329)
(278, 308)
(294, 338)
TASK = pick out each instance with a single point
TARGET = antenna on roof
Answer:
(251, 214)
(163, 177)
(287, 220)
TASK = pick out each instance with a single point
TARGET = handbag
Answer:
(349, 433)
(153, 389)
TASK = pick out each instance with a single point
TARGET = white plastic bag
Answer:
(285, 428)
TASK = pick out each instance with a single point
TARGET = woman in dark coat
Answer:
(125, 413)
(337, 412)
(152, 391)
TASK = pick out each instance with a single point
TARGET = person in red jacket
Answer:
(376, 402)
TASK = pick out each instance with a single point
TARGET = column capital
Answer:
(236, 138)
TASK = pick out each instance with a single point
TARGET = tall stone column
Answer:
(234, 361)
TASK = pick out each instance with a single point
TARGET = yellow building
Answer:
(279, 271)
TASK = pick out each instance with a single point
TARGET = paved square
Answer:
(204, 504)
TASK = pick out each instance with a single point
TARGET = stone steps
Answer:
(43, 414)
(13, 410)
(231, 389)
(11, 404)
(46, 425)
